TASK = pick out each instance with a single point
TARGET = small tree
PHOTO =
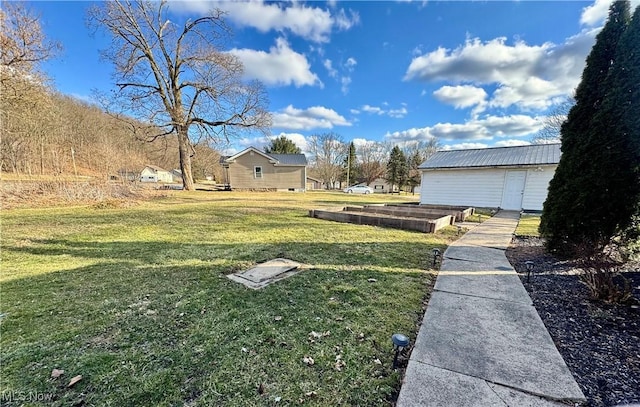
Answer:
(282, 145)
(327, 155)
(397, 170)
(550, 132)
(414, 176)
(373, 156)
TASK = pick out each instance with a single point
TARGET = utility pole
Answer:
(348, 166)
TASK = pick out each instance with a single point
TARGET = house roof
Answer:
(290, 159)
(537, 154)
(276, 159)
(156, 168)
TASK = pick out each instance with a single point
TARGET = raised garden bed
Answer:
(395, 219)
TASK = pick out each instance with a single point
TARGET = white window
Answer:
(257, 172)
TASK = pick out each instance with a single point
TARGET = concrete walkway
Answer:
(482, 342)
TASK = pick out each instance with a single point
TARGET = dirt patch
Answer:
(599, 342)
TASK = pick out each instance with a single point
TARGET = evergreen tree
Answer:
(568, 201)
(351, 175)
(397, 170)
(613, 145)
(282, 145)
(415, 176)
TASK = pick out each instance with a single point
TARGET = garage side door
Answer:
(513, 190)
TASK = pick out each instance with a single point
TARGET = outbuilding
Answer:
(512, 178)
(153, 173)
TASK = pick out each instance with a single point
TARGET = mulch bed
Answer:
(600, 342)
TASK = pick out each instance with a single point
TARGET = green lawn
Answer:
(136, 301)
(528, 226)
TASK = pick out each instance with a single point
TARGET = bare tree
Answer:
(373, 158)
(176, 77)
(23, 45)
(328, 152)
(550, 132)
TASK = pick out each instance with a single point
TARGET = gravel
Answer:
(600, 342)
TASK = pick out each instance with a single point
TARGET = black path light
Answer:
(400, 342)
(436, 255)
(530, 265)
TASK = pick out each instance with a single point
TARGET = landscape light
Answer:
(436, 254)
(400, 342)
(530, 265)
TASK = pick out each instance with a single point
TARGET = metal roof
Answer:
(278, 159)
(290, 159)
(537, 154)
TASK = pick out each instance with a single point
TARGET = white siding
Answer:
(477, 187)
(482, 187)
(535, 192)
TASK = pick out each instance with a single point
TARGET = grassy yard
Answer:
(528, 226)
(136, 301)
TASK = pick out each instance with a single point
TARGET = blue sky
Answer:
(472, 74)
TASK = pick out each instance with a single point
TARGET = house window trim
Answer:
(257, 172)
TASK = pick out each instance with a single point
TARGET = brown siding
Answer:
(273, 177)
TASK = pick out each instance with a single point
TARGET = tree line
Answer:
(336, 162)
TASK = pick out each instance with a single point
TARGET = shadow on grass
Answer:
(172, 335)
(363, 254)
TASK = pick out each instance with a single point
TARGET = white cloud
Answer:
(595, 13)
(314, 117)
(330, 69)
(461, 96)
(345, 81)
(465, 146)
(341, 73)
(281, 66)
(527, 76)
(512, 143)
(298, 139)
(395, 113)
(344, 22)
(486, 128)
(372, 109)
(311, 23)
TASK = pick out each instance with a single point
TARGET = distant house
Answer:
(313, 183)
(126, 174)
(252, 169)
(176, 175)
(152, 173)
(382, 186)
(513, 178)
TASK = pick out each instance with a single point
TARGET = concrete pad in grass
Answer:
(502, 342)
